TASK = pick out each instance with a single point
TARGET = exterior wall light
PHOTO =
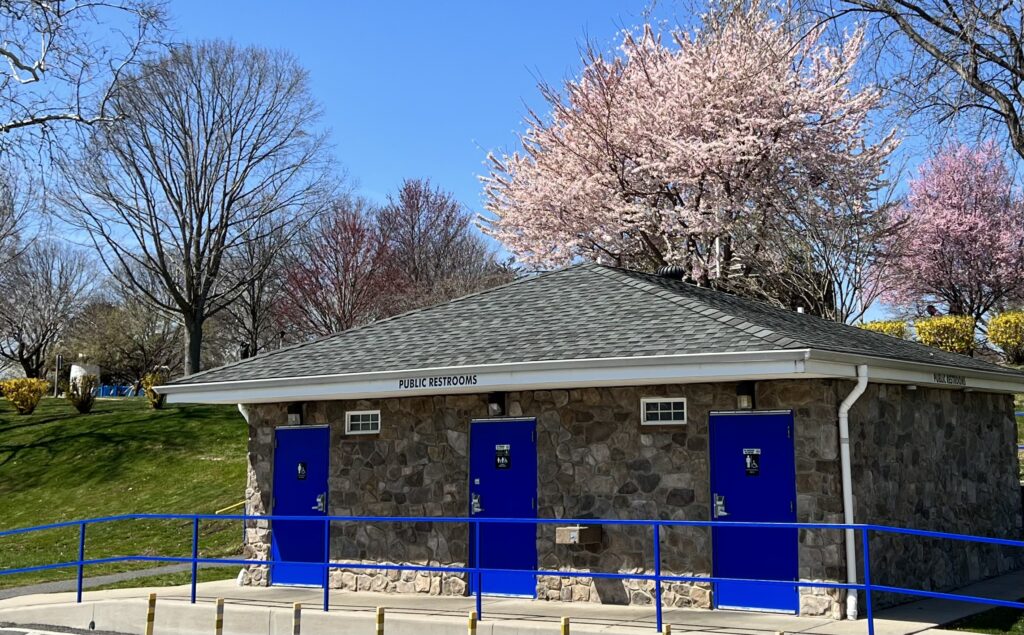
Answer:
(745, 395)
(295, 414)
(496, 404)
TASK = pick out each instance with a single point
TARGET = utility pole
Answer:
(56, 374)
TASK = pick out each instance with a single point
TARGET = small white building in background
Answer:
(81, 370)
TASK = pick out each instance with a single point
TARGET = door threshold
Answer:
(751, 609)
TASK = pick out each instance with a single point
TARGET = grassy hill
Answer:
(57, 465)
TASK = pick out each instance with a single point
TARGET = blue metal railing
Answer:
(476, 572)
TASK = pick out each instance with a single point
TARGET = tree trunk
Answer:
(31, 370)
(193, 344)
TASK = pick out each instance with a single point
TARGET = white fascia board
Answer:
(630, 371)
(893, 371)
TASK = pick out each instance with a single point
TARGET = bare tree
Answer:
(218, 148)
(17, 202)
(251, 317)
(951, 61)
(124, 337)
(41, 291)
(437, 250)
(62, 58)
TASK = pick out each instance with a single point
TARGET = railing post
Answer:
(657, 573)
(476, 570)
(327, 563)
(195, 555)
(81, 559)
(867, 580)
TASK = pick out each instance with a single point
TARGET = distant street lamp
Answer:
(56, 374)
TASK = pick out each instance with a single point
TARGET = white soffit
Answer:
(630, 371)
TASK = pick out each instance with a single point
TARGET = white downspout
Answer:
(844, 460)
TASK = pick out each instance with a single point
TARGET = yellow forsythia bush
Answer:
(953, 333)
(156, 401)
(892, 328)
(82, 393)
(1006, 331)
(25, 393)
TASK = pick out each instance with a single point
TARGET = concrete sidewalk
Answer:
(97, 580)
(268, 611)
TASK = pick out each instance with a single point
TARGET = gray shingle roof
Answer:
(582, 312)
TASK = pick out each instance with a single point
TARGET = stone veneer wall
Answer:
(595, 460)
(942, 460)
(261, 420)
(819, 485)
(609, 466)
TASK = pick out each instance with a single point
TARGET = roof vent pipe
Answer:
(847, 474)
(673, 272)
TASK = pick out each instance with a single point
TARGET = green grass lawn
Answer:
(173, 579)
(998, 621)
(57, 465)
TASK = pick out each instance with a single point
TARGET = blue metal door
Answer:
(753, 479)
(300, 489)
(503, 484)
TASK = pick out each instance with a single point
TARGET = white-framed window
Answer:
(362, 422)
(662, 411)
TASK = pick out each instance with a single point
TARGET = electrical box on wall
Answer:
(578, 535)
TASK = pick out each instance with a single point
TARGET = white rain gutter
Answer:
(844, 459)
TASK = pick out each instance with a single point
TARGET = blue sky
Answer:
(422, 89)
(418, 89)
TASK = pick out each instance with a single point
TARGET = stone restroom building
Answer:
(600, 393)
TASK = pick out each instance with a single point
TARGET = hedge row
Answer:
(956, 333)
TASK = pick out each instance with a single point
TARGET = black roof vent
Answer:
(673, 272)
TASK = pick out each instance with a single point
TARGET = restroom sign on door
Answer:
(752, 461)
(502, 456)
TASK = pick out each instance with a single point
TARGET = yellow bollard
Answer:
(472, 623)
(668, 630)
(296, 618)
(565, 626)
(219, 624)
(151, 614)
(380, 620)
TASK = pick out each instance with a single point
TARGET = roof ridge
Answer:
(647, 285)
(292, 347)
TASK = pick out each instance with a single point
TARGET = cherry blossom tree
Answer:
(962, 247)
(698, 152)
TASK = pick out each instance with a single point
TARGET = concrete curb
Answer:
(175, 617)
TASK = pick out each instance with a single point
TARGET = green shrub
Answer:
(25, 393)
(1006, 331)
(892, 328)
(156, 378)
(953, 333)
(82, 393)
